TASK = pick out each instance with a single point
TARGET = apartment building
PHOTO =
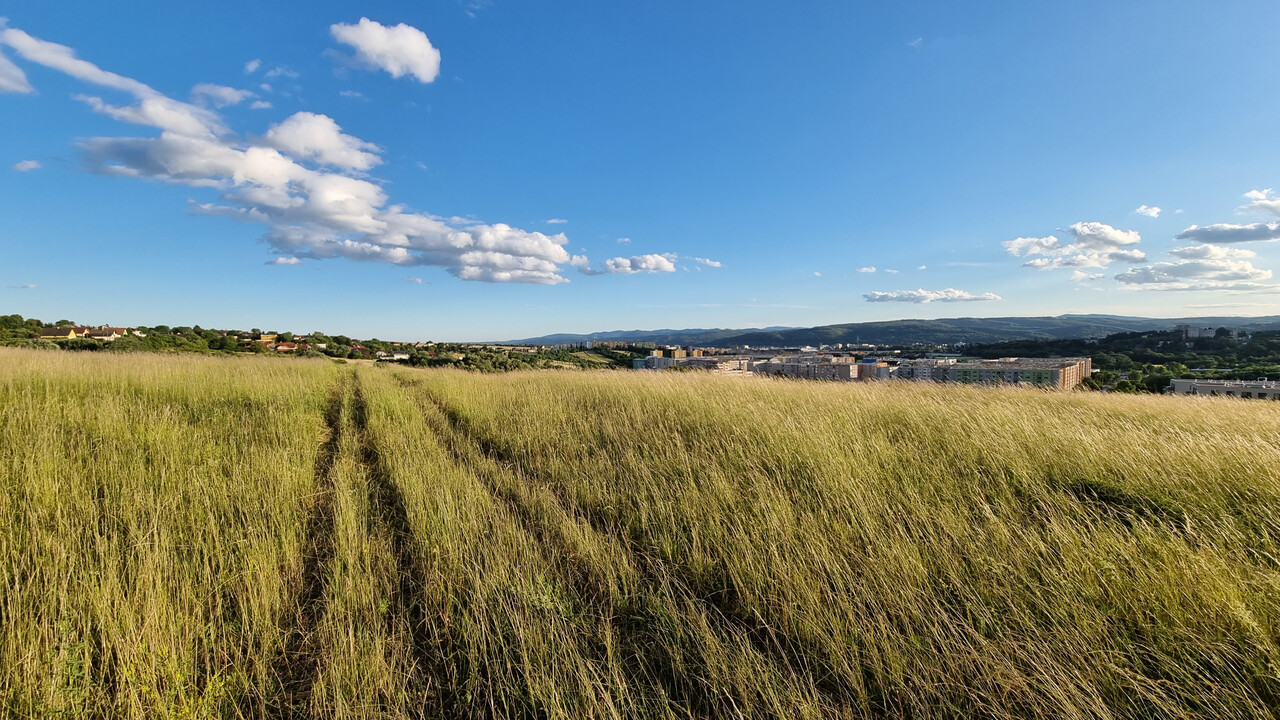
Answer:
(1260, 389)
(843, 372)
(1058, 373)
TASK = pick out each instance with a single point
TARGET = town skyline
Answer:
(481, 171)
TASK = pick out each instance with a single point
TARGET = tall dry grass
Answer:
(932, 550)
(153, 517)
(264, 538)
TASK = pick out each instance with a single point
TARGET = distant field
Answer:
(260, 537)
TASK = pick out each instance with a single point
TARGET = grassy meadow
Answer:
(248, 537)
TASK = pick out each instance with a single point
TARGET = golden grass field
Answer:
(257, 537)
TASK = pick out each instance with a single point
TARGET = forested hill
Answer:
(905, 332)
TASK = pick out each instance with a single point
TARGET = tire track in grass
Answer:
(298, 664)
(720, 600)
(434, 682)
(590, 587)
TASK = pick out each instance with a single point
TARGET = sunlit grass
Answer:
(624, 545)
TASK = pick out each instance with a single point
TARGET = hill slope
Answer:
(906, 332)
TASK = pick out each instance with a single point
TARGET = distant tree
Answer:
(63, 323)
(128, 343)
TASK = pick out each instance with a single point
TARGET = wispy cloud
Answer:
(28, 286)
(218, 95)
(1263, 200)
(12, 79)
(1228, 233)
(624, 241)
(27, 165)
(252, 66)
(916, 44)
(283, 260)
(921, 296)
(557, 221)
(708, 262)
(867, 269)
(1149, 210)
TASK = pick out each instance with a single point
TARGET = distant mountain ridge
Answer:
(905, 332)
(693, 336)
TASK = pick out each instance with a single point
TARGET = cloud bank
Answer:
(304, 178)
(1200, 267)
(1095, 245)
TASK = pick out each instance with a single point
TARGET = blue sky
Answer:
(404, 173)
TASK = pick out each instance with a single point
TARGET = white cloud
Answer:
(1081, 276)
(317, 137)
(817, 274)
(1200, 267)
(153, 109)
(26, 165)
(557, 221)
(624, 241)
(162, 113)
(400, 50)
(708, 262)
(218, 95)
(356, 94)
(891, 272)
(927, 296)
(1149, 210)
(1264, 200)
(650, 263)
(1095, 245)
(284, 261)
(63, 59)
(1019, 247)
(867, 269)
(12, 79)
(917, 43)
(1228, 233)
(282, 71)
(28, 286)
(923, 267)
(260, 105)
(415, 280)
(252, 66)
